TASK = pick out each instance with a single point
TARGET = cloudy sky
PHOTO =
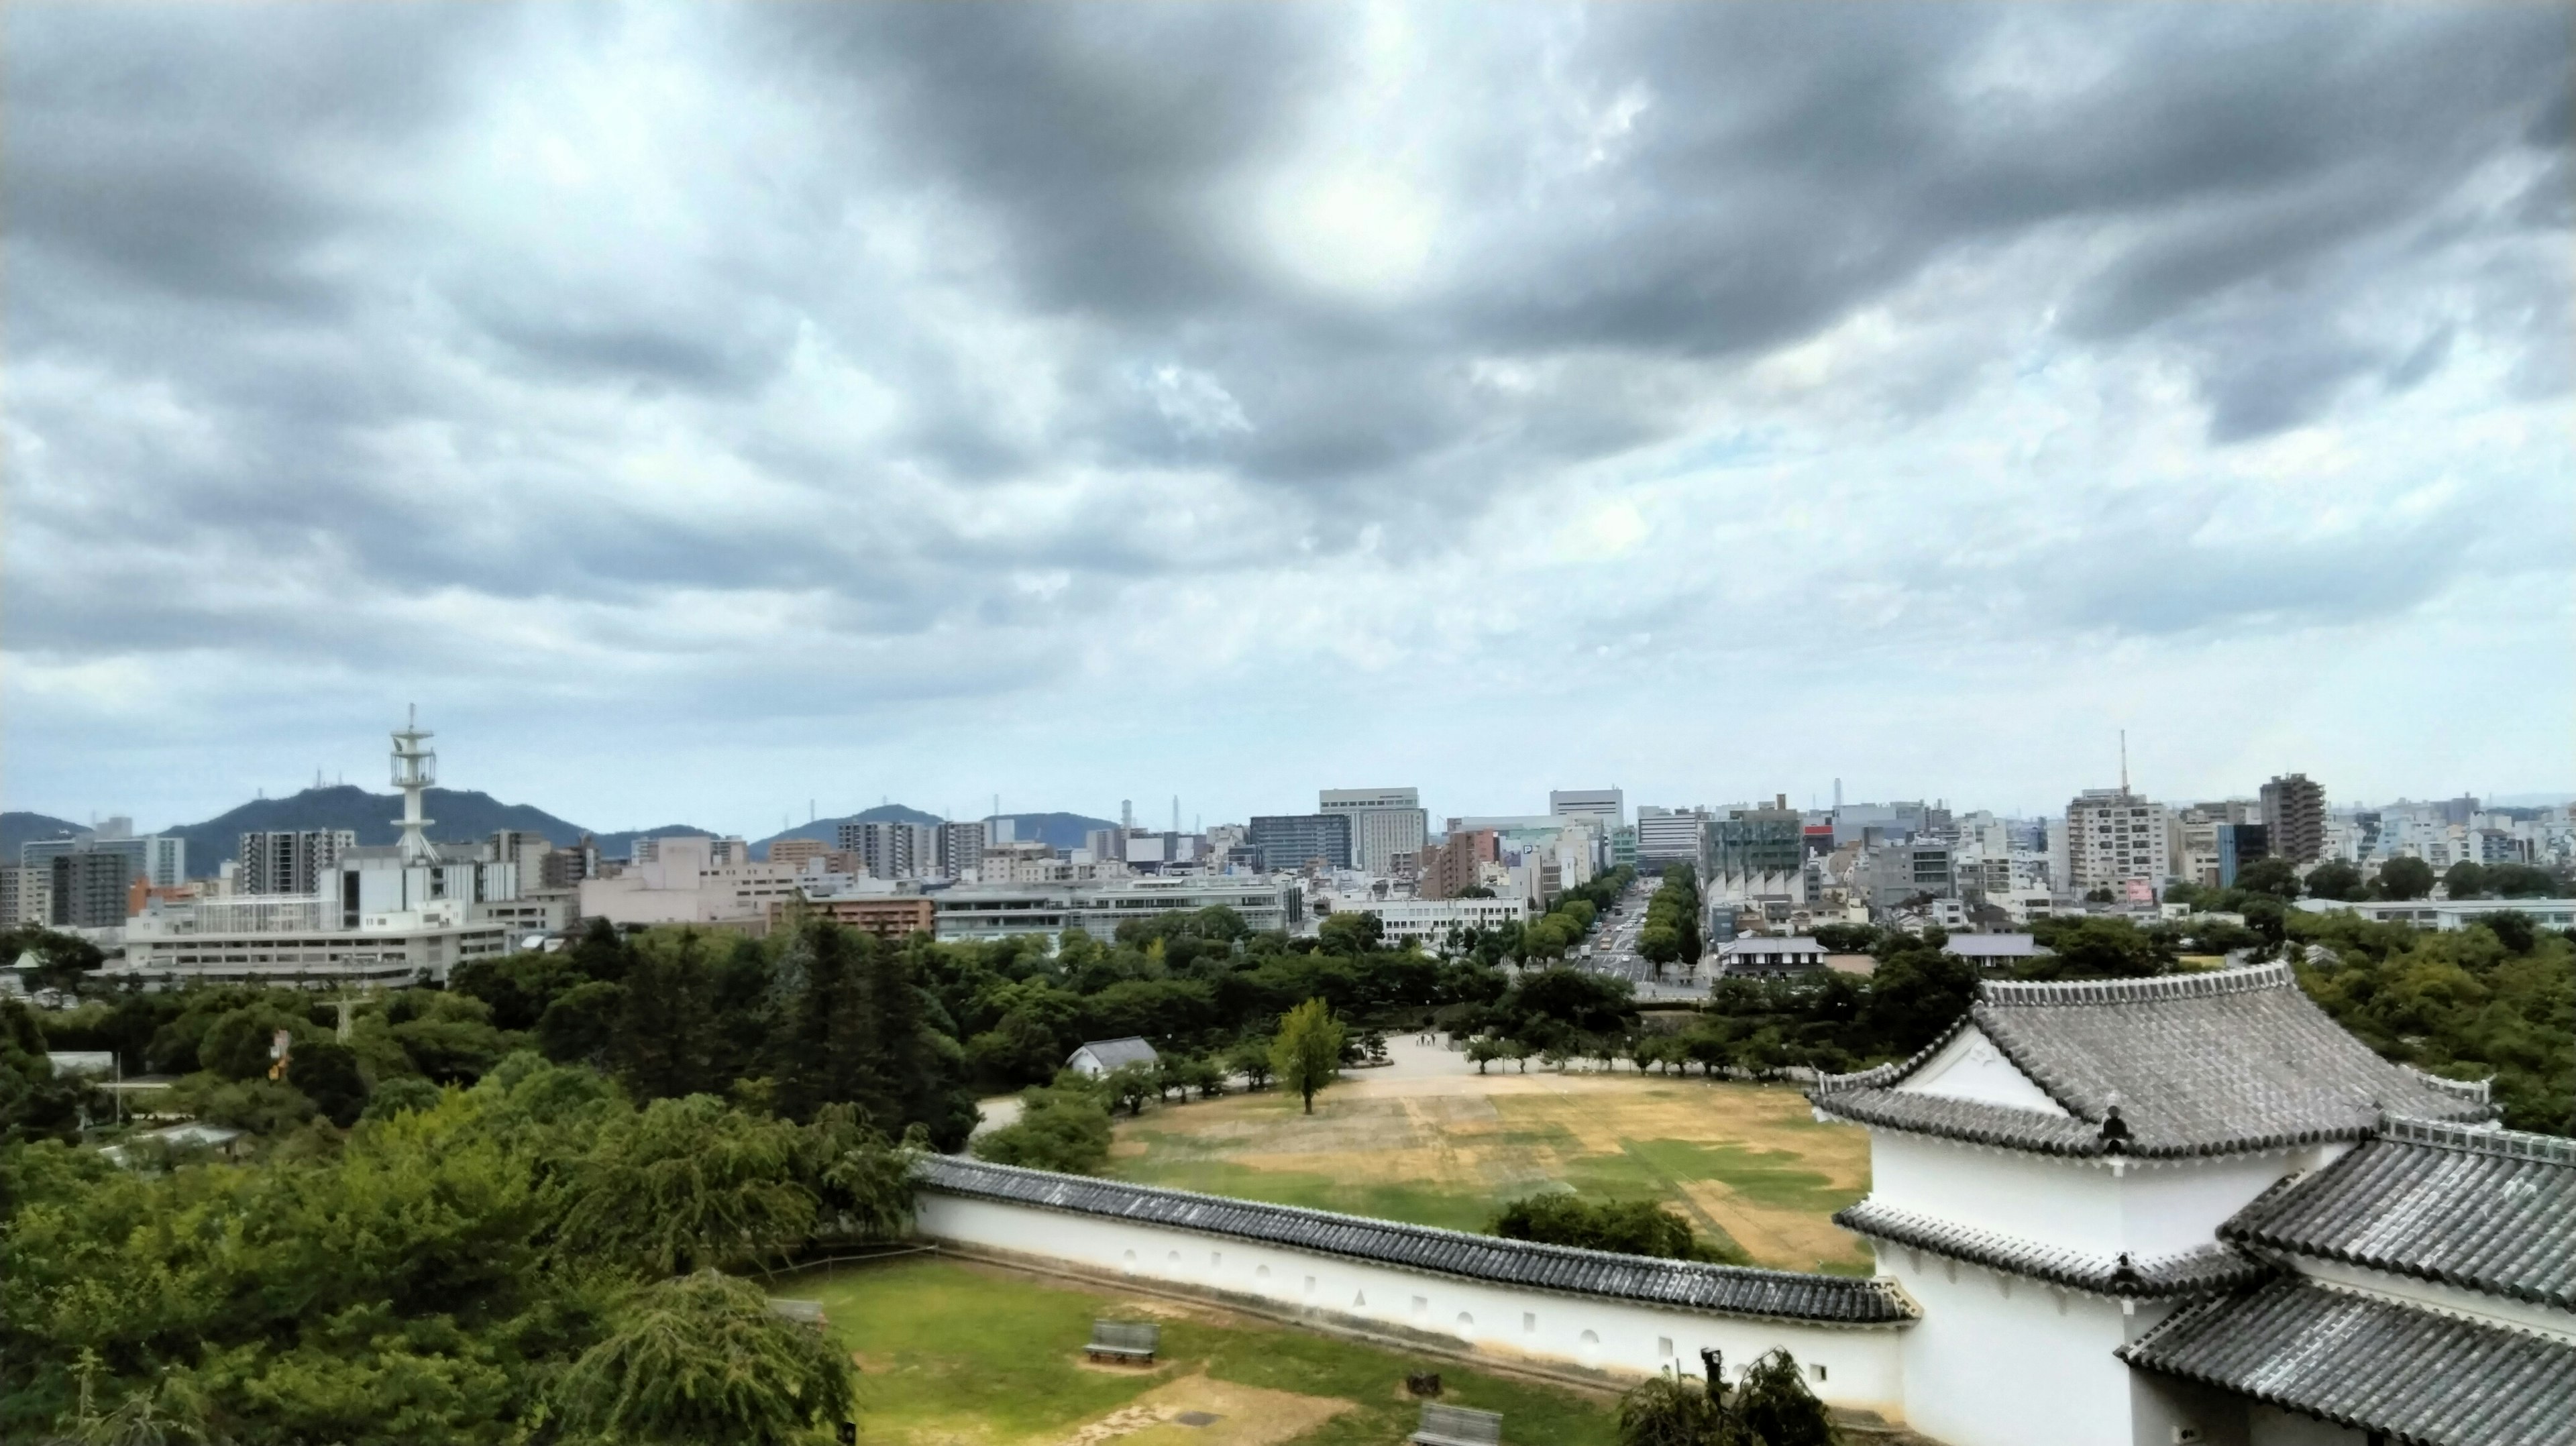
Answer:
(698, 410)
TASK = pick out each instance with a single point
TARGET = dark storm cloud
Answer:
(284, 308)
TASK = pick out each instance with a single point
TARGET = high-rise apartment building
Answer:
(1451, 867)
(1294, 840)
(290, 861)
(2113, 838)
(26, 895)
(159, 859)
(2294, 816)
(89, 888)
(961, 848)
(1384, 822)
(797, 850)
(888, 849)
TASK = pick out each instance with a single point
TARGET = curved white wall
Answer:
(1846, 1366)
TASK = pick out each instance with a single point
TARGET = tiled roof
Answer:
(2196, 1272)
(2373, 1364)
(2191, 1064)
(1114, 1052)
(2485, 1210)
(1686, 1285)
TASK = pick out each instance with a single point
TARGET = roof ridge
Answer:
(2480, 1090)
(1893, 1070)
(2019, 993)
(2478, 1139)
(1862, 1284)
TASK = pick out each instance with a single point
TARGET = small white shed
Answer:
(1100, 1056)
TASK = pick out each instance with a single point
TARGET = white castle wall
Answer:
(1846, 1366)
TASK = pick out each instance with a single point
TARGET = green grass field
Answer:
(1747, 1165)
(953, 1354)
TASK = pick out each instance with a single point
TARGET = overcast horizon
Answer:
(699, 410)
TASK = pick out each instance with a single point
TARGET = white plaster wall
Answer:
(1969, 1067)
(2002, 1361)
(2147, 1208)
(2067, 1203)
(1860, 1365)
(2272, 1426)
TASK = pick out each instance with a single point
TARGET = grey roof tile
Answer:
(2194, 1272)
(1687, 1285)
(2192, 1064)
(2374, 1364)
(2482, 1209)
(1114, 1052)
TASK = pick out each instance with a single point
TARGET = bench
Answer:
(1457, 1426)
(1124, 1340)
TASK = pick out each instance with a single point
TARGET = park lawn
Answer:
(958, 1354)
(1748, 1164)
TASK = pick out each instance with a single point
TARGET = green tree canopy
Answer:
(2405, 878)
(703, 1361)
(1307, 1052)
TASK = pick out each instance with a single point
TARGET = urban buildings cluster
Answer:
(316, 903)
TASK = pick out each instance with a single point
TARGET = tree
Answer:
(687, 1183)
(2513, 929)
(1062, 1128)
(579, 1023)
(1351, 931)
(662, 1045)
(1674, 1410)
(2405, 878)
(1627, 1227)
(703, 1361)
(1847, 938)
(1308, 1050)
(2337, 879)
(1250, 1058)
(2466, 879)
(1485, 1049)
(2277, 877)
(327, 1072)
(1130, 1085)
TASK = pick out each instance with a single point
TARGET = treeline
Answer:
(499, 1263)
(1671, 931)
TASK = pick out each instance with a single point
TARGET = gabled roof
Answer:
(2191, 1272)
(2374, 1364)
(1114, 1052)
(2180, 1065)
(2485, 1210)
(1685, 1285)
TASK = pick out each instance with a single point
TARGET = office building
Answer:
(1750, 855)
(89, 889)
(2114, 839)
(797, 850)
(1001, 911)
(1427, 922)
(158, 859)
(1667, 836)
(888, 916)
(1607, 806)
(1284, 842)
(2240, 844)
(565, 868)
(2294, 813)
(1385, 822)
(289, 861)
(26, 895)
(685, 883)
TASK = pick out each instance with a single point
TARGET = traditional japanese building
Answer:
(2194, 1209)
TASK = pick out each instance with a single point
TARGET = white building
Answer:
(2115, 840)
(685, 884)
(1098, 1057)
(290, 861)
(1001, 911)
(1667, 836)
(1607, 807)
(2450, 915)
(1424, 921)
(1385, 822)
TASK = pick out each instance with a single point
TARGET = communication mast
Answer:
(415, 770)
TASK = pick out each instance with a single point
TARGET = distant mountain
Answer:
(829, 829)
(622, 845)
(1056, 830)
(455, 816)
(27, 828)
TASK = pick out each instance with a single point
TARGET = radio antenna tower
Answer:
(2124, 760)
(415, 770)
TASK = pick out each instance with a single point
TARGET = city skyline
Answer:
(1231, 401)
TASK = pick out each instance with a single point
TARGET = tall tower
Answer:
(415, 769)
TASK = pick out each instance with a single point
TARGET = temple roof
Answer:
(2374, 1364)
(1689, 1285)
(2193, 1272)
(2179, 1065)
(2484, 1210)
